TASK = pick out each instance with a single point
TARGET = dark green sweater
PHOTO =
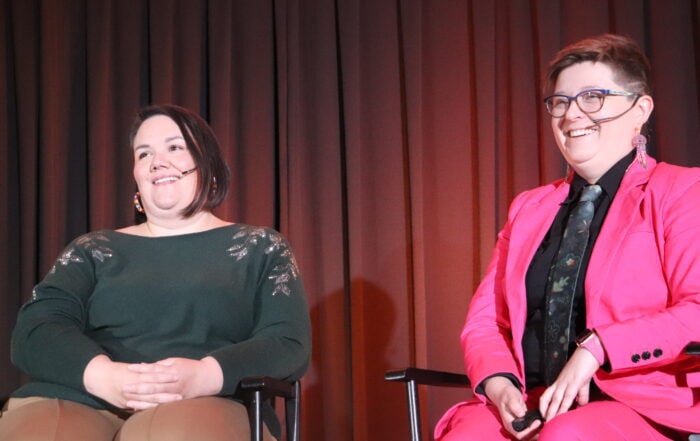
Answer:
(233, 292)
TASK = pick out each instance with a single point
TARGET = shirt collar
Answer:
(609, 182)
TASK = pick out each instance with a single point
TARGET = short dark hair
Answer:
(213, 173)
(629, 64)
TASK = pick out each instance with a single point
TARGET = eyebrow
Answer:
(168, 139)
(588, 87)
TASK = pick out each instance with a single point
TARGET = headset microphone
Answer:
(609, 118)
(602, 120)
(187, 172)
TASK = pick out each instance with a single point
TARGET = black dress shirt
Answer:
(538, 272)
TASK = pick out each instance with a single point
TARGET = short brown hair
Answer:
(214, 174)
(629, 64)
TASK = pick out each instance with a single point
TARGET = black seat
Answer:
(412, 377)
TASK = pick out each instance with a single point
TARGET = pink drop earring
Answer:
(639, 142)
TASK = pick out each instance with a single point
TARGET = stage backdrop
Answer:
(384, 138)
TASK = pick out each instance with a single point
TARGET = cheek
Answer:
(554, 123)
(556, 131)
(139, 172)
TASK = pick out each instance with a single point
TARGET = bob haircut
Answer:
(629, 64)
(213, 173)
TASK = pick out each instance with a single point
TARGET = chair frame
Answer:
(693, 348)
(258, 389)
(412, 377)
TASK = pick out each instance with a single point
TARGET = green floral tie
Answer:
(562, 281)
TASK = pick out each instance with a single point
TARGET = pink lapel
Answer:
(615, 227)
(529, 228)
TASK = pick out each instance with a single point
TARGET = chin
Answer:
(167, 206)
(578, 151)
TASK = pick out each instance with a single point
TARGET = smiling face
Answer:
(592, 148)
(160, 157)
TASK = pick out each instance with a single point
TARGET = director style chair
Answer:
(254, 391)
(412, 377)
(693, 348)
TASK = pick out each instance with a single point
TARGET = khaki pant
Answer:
(201, 419)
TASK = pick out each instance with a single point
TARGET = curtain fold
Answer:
(385, 139)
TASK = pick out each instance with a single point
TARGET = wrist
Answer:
(214, 375)
(94, 373)
(495, 386)
(590, 341)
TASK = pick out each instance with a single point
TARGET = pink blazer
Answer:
(642, 292)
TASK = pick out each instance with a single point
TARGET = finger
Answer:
(545, 400)
(527, 433)
(567, 401)
(166, 362)
(157, 398)
(516, 406)
(550, 408)
(512, 402)
(584, 395)
(146, 368)
(140, 405)
(563, 399)
(156, 378)
(150, 388)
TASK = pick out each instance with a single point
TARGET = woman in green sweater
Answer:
(144, 332)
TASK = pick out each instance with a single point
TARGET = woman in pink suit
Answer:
(584, 319)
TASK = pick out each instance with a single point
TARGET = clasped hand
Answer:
(145, 385)
(573, 383)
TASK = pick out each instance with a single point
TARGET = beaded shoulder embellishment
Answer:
(282, 273)
(91, 242)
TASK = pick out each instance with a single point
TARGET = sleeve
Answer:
(48, 341)
(280, 343)
(660, 336)
(487, 336)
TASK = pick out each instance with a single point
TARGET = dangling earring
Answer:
(137, 202)
(639, 142)
(214, 185)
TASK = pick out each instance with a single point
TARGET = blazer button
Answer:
(636, 358)
(658, 353)
(646, 355)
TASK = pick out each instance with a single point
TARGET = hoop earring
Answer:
(639, 142)
(137, 202)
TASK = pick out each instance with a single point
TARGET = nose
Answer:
(574, 111)
(158, 162)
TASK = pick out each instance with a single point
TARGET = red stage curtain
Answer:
(384, 138)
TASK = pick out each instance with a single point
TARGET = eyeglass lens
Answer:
(587, 101)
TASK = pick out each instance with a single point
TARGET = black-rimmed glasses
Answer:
(589, 101)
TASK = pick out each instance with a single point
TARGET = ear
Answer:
(644, 107)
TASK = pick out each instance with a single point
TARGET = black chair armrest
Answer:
(428, 377)
(268, 386)
(412, 377)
